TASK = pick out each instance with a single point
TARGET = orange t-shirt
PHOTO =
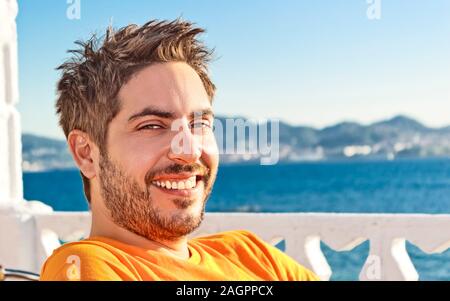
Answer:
(232, 255)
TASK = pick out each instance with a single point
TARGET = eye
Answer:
(151, 127)
(202, 124)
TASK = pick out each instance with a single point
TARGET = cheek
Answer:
(140, 156)
(210, 149)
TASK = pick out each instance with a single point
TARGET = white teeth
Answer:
(186, 184)
(180, 185)
(189, 183)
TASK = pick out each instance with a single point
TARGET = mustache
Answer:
(178, 168)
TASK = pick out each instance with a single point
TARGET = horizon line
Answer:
(288, 123)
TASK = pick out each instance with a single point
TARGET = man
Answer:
(137, 115)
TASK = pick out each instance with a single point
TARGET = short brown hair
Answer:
(91, 79)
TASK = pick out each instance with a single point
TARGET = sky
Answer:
(307, 62)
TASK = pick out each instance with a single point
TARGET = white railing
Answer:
(302, 234)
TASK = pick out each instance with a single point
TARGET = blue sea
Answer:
(400, 186)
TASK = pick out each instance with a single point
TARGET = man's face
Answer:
(162, 157)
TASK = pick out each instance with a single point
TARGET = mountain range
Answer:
(399, 137)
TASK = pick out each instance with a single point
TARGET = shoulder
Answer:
(245, 245)
(83, 260)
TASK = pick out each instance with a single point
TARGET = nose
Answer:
(185, 146)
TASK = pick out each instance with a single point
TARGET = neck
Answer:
(103, 226)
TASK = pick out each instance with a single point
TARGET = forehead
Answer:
(173, 86)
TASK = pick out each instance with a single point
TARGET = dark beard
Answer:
(133, 208)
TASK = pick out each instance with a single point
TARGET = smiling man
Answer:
(137, 115)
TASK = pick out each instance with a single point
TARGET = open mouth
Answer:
(173, 184)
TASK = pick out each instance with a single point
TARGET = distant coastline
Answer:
(396, 138)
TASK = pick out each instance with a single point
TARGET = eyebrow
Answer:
(151, 111)
(201, 113)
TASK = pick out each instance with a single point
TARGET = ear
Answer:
(83, 152)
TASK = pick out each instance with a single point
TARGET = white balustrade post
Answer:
(306, 250)
(11, 184)
(17, 230)
(388, 260)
